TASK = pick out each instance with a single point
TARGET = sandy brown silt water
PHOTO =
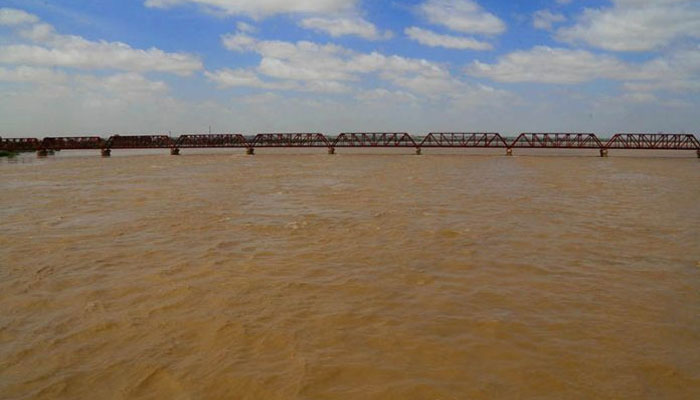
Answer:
(308, 276)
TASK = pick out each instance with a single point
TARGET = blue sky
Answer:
(147, 66)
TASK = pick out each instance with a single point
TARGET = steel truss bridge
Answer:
(442, 140)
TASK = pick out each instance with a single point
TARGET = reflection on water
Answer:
(349, 277)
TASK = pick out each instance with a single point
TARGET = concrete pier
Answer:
(698, 153)
(42, 153)
(331, 150)
(106, 152)
(250, 151)
(509, 152)
(419, 151)
(603, 152)
(174, 151)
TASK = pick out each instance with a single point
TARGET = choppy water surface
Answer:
(349, 277)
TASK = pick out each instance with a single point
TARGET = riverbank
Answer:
(9, 154)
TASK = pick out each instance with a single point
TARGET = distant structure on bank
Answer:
(444, 140)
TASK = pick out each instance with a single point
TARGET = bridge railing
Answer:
(463, 139)
(653, 141)
(374, 139)
(557, 141)
(74, 143)
(290, 140)
(212, 141)
(140, 142)
(20, 144)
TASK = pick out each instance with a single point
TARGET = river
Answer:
(354, 276)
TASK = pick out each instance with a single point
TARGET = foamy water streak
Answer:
(350, 276)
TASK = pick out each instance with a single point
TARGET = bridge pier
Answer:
(603, 152)
(106, 152)
(174, 151)
(698, 153)
(331, 150)
(509, 152)
(250, 151)
(42, 153)
(419, 151)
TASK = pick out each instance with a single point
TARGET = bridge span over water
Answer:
(437, 140)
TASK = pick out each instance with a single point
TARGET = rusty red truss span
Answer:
(290, 140)
(458, 139)
(211, 141)
(74, 143)
(557, 141)
(20, 144)
(140, 142)
(374, 139)
(653, 141)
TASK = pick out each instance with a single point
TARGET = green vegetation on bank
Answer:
(5, 153)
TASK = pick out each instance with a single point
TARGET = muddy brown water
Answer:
(355, 276)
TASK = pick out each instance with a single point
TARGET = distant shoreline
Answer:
(9, 154)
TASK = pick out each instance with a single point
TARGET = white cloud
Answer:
(550, 65)
(429, 86)
(292, 69)
(334, 17)
(341, 26)
(382, 95)
(245, 27)
(430, 38)
(129, 84)
(238, 41)
(100, 55)
(325, 87)
(48, 48)
(227, 77)
(462, 16)
(261, 98)
(122, 102)
(638, 97)
(392, 66)
(47, 96)
(262, 8)
(306, 61)
(672, 85)
(635, 25)
(12, 16)
(31, 74)
(544, 19)
(310, 66)
(50, 86)
(675, 72)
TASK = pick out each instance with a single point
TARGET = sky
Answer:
(101, 67)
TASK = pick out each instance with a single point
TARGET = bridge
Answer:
(443, 140)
